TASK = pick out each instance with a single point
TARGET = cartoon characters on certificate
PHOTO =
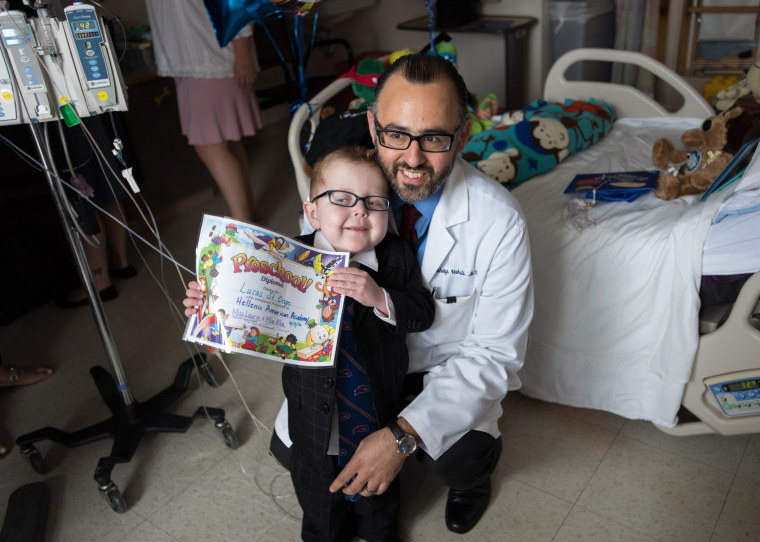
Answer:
(265, 294)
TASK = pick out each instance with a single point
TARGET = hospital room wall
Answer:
(373, 28)
(481, 56)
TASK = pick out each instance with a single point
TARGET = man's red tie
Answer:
(409, 216)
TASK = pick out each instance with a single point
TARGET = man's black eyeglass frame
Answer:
(420, 139)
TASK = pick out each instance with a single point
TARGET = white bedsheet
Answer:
(616, 285)
(732, 245)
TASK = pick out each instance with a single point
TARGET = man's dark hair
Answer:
(420, 69)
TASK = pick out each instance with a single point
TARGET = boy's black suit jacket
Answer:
(311, 392)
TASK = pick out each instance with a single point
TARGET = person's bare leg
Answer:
(117, 237)
(97, 258)
(21, 376)
(238, 149)
(225, 168)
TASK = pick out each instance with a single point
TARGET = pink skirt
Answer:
(215, 110)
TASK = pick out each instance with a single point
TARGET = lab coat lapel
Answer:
(452, 209)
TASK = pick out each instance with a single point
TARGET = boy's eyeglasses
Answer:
(400, 141)
(348, 199)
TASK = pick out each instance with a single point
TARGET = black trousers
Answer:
(330, 517)
(467, 464)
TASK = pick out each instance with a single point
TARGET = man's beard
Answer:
(415, 193)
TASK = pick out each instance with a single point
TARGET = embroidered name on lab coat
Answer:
(462, 272)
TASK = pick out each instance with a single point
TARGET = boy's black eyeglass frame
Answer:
(356, 199)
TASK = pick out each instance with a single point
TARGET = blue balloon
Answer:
(228, 17)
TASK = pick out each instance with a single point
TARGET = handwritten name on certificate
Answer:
(265, 294)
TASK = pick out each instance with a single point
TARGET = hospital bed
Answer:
(617, 317)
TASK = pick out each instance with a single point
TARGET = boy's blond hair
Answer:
(352, 153)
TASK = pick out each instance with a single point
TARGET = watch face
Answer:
(407, 445)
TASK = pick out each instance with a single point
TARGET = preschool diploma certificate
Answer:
(265, 294)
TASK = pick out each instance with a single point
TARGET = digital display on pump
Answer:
(742, 386)
(85, 25)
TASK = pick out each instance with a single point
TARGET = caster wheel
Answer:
(34, 458)
(113, 496)
(208, 373)
(228, 435)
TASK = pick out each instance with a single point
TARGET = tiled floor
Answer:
(565, 474)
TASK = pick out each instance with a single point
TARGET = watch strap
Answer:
(395, 428)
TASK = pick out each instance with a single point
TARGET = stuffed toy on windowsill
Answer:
(693, 169)
(727, 98)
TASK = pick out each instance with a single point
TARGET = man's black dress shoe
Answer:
(464, 508)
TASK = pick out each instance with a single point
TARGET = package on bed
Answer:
(524, 143)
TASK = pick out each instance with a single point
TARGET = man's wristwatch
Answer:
(405, 442)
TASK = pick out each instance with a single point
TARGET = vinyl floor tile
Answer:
(665, 495)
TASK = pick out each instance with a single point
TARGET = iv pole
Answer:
(96, 305)
(130, 419)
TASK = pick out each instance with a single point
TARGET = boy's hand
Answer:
(194, 298)
(358, 284)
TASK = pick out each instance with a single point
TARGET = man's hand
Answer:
(375, 463)
(358, 284)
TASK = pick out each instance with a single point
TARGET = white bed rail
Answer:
(731, 349)
(627, 101)
(309, 113)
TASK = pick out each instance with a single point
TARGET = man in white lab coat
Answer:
(472, 246)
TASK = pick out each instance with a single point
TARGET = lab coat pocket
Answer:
(453, 318)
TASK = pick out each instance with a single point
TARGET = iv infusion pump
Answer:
(48, 66)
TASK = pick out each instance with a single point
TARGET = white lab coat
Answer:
(477, 263)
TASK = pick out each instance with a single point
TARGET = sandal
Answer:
(23, 376)
(106, 294)
(124, 273)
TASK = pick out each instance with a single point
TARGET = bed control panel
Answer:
(737, 394)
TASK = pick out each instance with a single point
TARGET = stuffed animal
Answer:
(481, 118)
(729, 97)
(746, 126)
(395, 55)
(365, 75)
(692, 170)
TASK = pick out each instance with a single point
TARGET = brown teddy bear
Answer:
(692, 170)
(746, 127)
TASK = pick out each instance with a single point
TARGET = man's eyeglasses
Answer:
(348, 199)
(400, 141)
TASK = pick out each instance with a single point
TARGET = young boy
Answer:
(349, 209)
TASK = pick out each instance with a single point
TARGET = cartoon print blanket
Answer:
(533, 140)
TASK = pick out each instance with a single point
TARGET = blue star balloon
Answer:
(228, 17)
